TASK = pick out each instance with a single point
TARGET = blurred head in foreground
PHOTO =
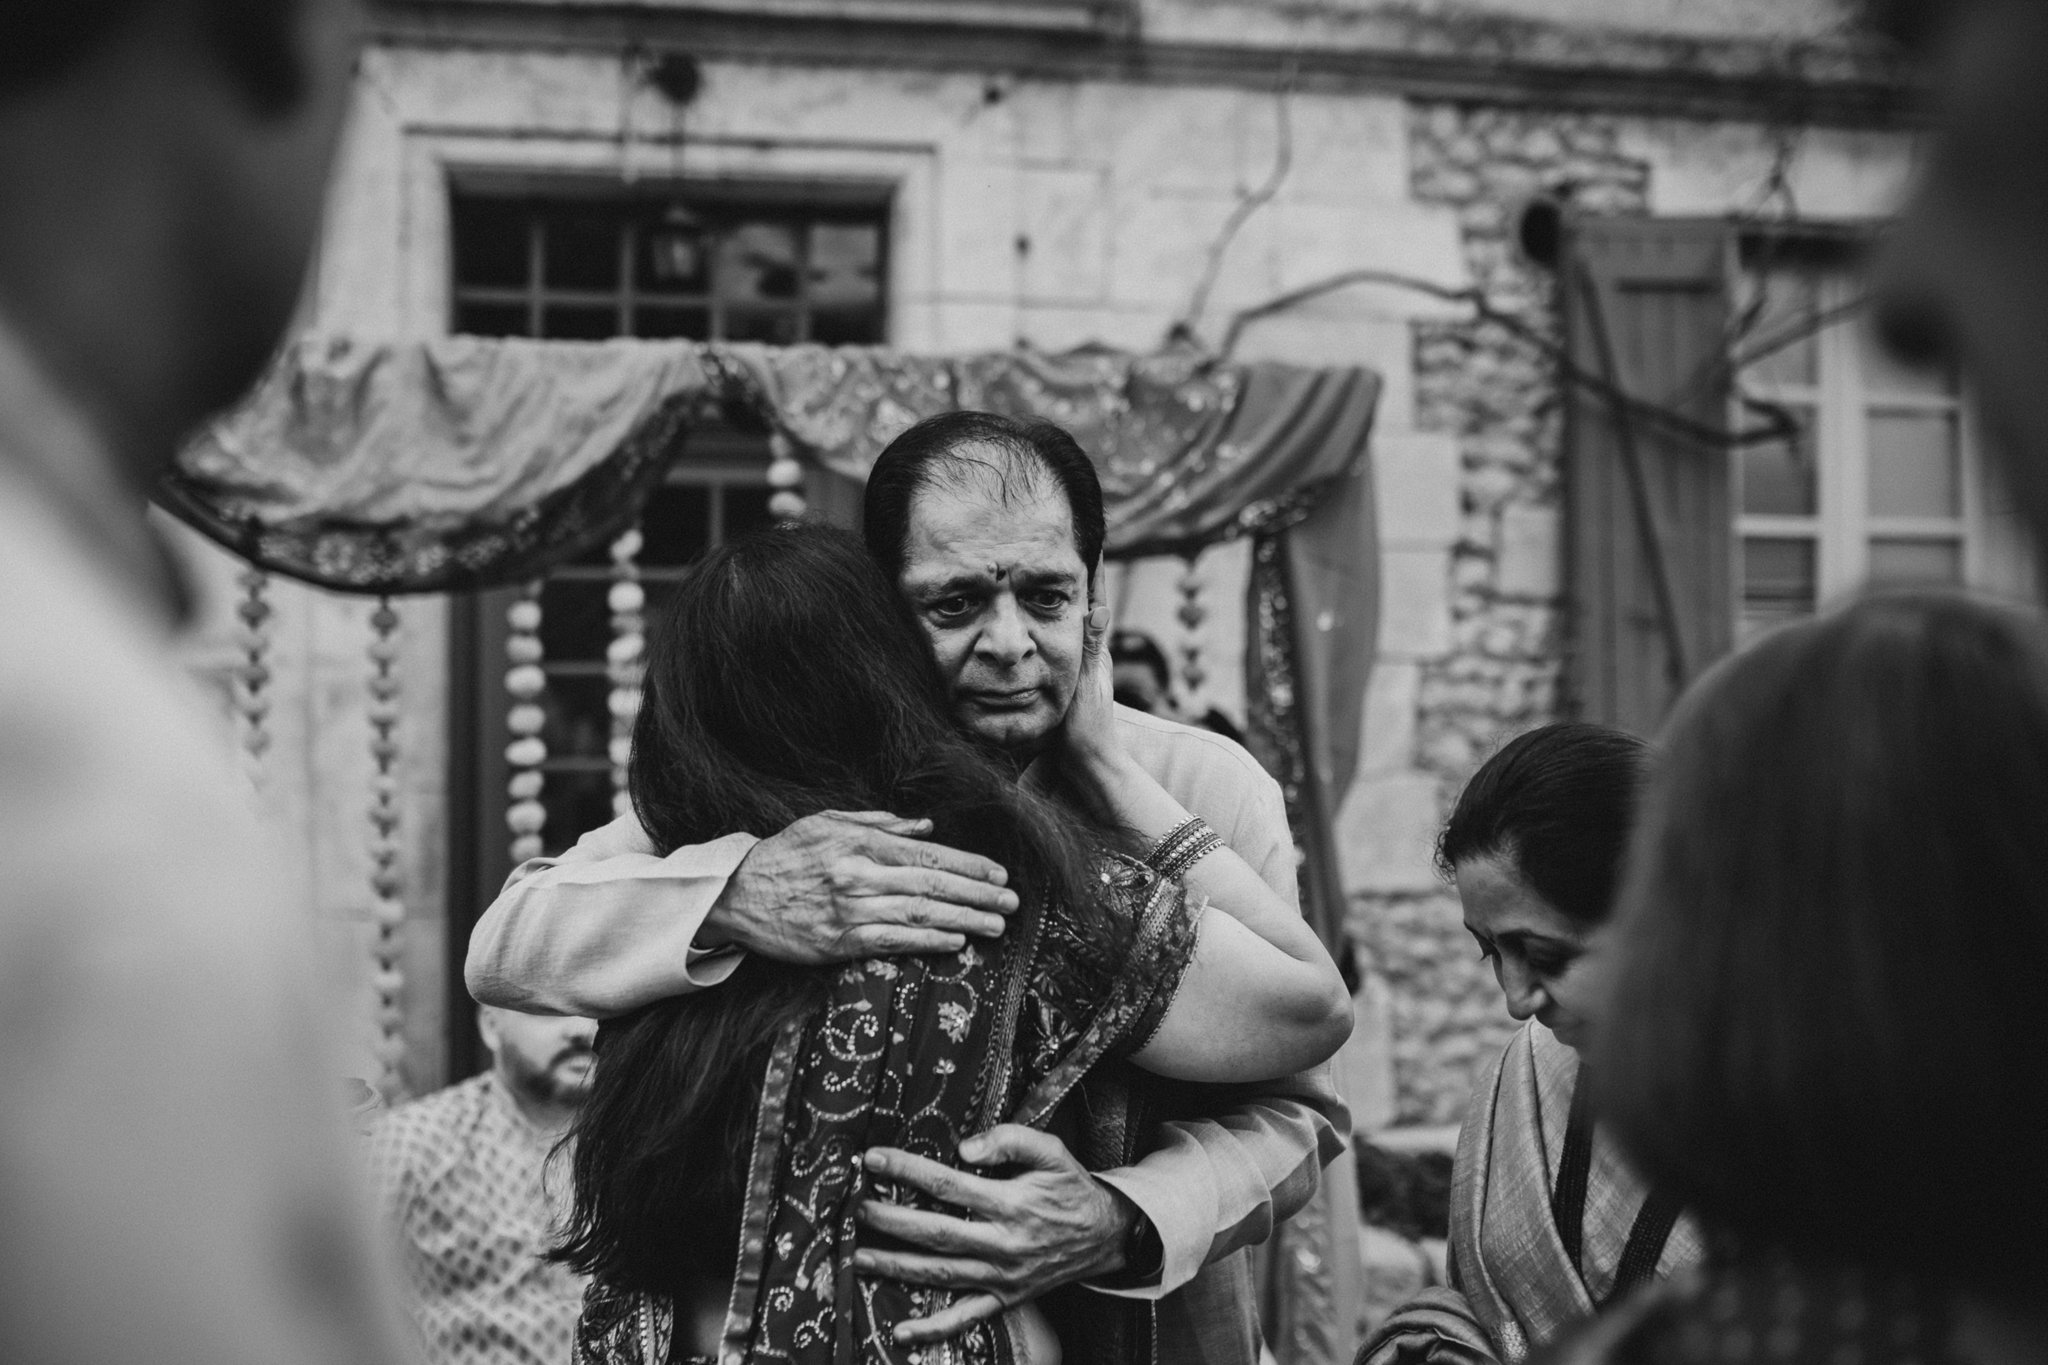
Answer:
(1832, 945)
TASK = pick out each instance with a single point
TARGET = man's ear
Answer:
(262, 47)
(487, 1025)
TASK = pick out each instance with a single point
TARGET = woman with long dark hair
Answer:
(718, 1158)
(1548, 1223)
(1832, 948)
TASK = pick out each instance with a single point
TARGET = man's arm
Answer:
(610, 926)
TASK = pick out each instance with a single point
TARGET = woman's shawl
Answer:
(915, 1053)
(1512, 1276)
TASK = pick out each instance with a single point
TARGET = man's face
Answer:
(545, 1058)
(998, 584)
(1966, 272)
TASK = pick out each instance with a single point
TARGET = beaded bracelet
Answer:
(1184, 845)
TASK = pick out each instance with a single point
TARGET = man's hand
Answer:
(1050, 1224)
(848, 884)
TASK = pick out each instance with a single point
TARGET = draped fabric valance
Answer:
(465, 463)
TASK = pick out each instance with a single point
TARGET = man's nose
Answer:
(580, 1032)
(1006, 638)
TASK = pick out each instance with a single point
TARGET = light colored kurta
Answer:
(608, 927)
(477, 1198)
(175, 1176)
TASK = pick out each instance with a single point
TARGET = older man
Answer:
(174, 1170)
(993, 531)
(467, 1179)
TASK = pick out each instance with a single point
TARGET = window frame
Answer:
(1841, 400)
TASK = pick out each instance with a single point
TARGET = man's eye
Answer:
(1049, 601)
(950, 608)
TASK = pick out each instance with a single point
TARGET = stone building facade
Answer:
(1066, 172)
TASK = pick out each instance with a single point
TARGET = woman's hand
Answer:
(1089, 749)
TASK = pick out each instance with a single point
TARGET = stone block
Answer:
(1319, 241)
(1348, 148)
(1387, 736)
(980, 217)
(1386, 834)
(1415, 603)
(1415, 483)
(1062, 237)
(1530, 562)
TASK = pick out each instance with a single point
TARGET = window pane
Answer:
(676, 525)
(1780, 477)
(1914, 466)
(777, 327)
(577, 802)
(691, 324)
(673, 258)
(757, 262)
(491, 319)
(1778, 580)
(847, 327)
(579, 717)
(1897, 563)
(846, 264)
(581, 251)
(489, 242)
(575, 623)
(1788, 302)
(1885, 373)
(746, 509)
(580, 321)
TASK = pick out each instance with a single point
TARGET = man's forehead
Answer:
(959, 528)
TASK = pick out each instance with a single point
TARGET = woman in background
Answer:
(1548, 1223)
(1832, 951)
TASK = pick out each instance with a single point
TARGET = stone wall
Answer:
(1495, 395)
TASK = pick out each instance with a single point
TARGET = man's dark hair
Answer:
(785, 677)
(1831, 950)
(1557, 803)
(938, 450)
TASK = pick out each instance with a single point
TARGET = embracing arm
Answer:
(611, 926)
(1261, 997)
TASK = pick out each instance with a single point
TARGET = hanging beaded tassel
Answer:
(387, 883)
(252, 679)
(622, 658)
(525, 816)
(786, 477)
(1193, 611)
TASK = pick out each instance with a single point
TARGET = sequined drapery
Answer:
(466, 462)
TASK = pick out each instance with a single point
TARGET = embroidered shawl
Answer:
(919, 1053)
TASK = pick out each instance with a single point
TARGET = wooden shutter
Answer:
(1646, 309)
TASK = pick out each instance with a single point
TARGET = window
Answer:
(1873, 483)
(766, 263)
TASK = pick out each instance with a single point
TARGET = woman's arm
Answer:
(1261, 998)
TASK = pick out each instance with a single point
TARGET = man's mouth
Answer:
(1018, 699)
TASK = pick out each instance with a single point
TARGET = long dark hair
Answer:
(1558, 804)
(1832, 944)
(785, 677)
